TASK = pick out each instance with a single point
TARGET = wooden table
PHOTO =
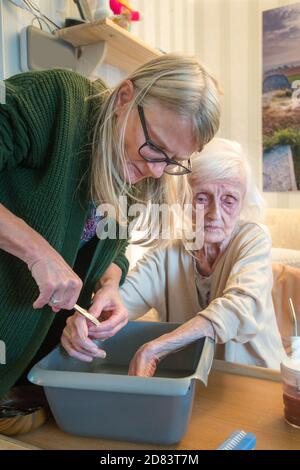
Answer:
(233, 400)
(8, 443)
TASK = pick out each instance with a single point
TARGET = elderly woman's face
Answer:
(222, 202)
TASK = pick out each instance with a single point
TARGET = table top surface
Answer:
(230, 402)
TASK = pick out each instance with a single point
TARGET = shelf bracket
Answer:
(41, 50)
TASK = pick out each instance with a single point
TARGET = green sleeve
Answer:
(33, 102)
(14, 134)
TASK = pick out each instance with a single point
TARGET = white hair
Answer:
(223, 159)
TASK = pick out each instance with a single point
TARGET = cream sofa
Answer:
(284, 226)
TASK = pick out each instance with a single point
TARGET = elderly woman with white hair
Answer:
(222, 290)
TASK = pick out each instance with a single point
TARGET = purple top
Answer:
(90, 225)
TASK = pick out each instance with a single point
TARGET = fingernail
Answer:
(100, 353)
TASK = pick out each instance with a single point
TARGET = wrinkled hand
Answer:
(54, 277)
(144, 362)
(76, 342)
(108, 307)
(79, 332)
(146, 359)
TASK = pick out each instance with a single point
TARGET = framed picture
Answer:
(281, 99)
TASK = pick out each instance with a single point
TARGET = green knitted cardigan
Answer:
(45, 128)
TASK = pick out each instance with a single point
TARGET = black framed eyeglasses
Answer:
(153, 154)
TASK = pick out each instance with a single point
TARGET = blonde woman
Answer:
(222, 290)
(68, 145)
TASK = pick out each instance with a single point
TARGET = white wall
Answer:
(14, 20)
(225, 34)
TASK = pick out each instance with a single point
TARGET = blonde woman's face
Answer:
(222, 203)
(170, 132)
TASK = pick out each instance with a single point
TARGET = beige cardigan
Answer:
(240, 307)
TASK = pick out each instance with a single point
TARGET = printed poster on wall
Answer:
(281, 99)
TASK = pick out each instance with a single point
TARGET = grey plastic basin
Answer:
(99, 399)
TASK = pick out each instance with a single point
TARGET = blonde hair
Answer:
(178, 82)
(222, 159)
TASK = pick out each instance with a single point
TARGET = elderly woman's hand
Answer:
(107, 306)
(147, 357)
(76, 342)
(145, 361)
(78, 334)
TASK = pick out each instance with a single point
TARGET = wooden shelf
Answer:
(124, 51)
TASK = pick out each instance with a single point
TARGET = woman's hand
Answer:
(145, 361)
(108, 307)
(56, 281)
(52, 274)
(79, 332)
(76, 342)
(147, 357)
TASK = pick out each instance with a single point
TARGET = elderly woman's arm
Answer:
(148, 356)
(150, 273)
(245, 304)
(238, 315)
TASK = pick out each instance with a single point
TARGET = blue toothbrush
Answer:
(239, 440)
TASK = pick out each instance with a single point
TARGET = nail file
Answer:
(87, 315)
(239, 440)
